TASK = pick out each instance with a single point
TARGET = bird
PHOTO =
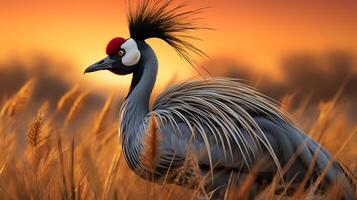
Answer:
(199, 133)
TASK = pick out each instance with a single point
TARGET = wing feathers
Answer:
(224, 107)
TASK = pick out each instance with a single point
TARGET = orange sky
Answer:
(257, 33)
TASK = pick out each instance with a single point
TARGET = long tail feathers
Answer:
(331, 171)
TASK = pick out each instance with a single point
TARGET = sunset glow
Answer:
(89, 113)
(255, 33)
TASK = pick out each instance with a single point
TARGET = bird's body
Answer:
(211, 127)
(222, 124)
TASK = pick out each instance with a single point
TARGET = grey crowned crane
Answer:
(214, 127)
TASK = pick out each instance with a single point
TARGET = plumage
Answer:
(223, 124)
(202, 131)
(172, 24)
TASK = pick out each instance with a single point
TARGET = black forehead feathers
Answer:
(160, 19)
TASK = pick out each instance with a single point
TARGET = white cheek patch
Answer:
(132, 53)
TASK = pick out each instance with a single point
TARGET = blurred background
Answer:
(302, 53)
(305, 48)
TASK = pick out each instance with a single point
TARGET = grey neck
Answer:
(136, 105)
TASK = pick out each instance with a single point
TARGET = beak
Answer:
(105, 63)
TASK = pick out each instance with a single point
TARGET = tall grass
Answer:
(87, 163)
(18, 101)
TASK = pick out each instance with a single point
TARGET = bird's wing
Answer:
(224, 123)
(221, 113)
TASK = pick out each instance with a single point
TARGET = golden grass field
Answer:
(71, 153)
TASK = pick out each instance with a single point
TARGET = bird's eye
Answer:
(121, 53)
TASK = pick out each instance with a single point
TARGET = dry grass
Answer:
(18, 101)
(34, 132)
(149, 154)
(75, 106)
(59, 163)
(100, 121)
